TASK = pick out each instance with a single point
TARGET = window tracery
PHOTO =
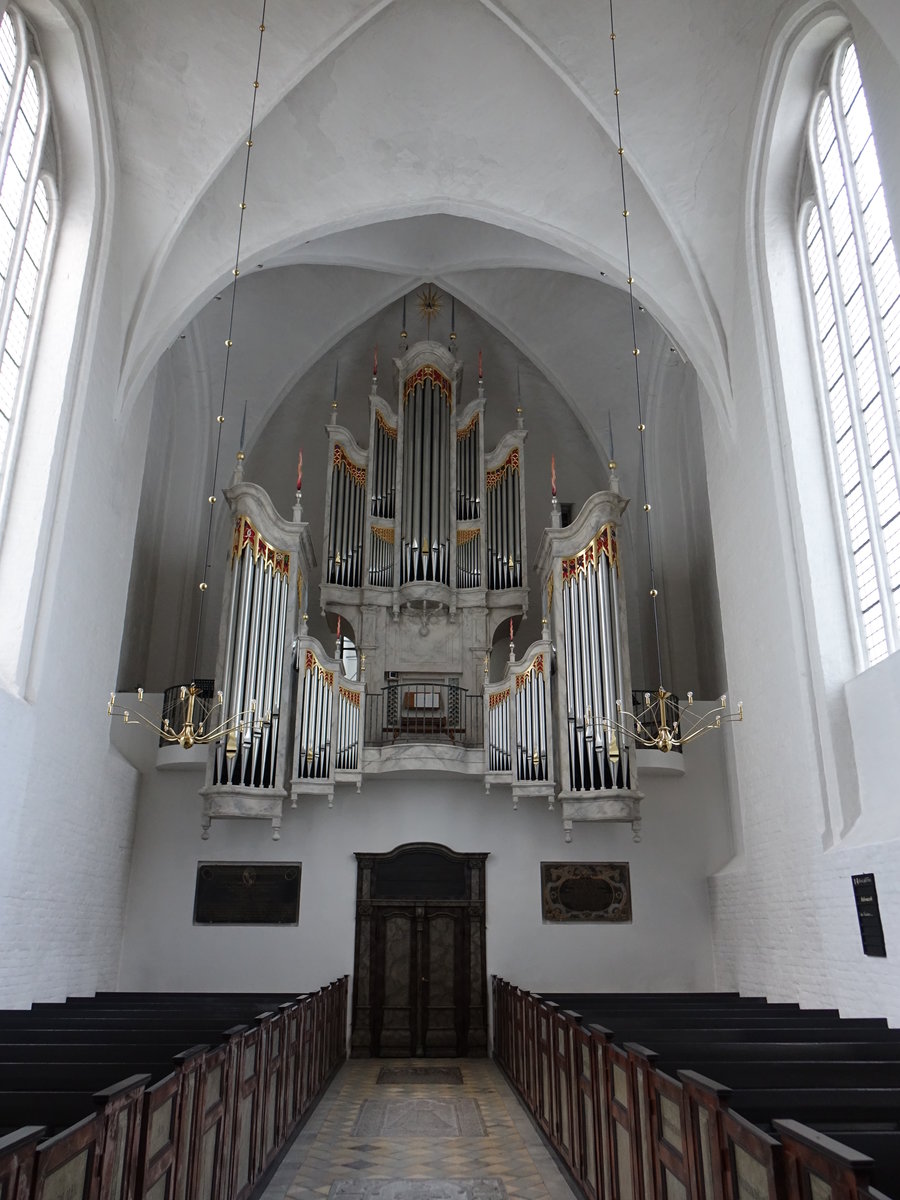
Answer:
(27, 201)
(853, 286)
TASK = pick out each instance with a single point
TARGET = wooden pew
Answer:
(669, 1133)
(211, 1127)
(17, 1161)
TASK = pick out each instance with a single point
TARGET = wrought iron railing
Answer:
(175, 702)
(425, 712)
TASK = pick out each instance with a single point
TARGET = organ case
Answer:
(584, 598)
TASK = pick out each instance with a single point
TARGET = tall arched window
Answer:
(27, 190)
(854, 291)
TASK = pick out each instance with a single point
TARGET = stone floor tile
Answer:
(424, 1139)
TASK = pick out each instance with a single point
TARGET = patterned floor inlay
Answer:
(419, 1117)
(413, 1140)
(420, 1075)
(418, 1189)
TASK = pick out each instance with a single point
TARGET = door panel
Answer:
(396, 954)
(419, 980)
(443, 968)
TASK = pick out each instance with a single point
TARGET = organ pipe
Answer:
(329, 722)
(345, 520)
(594, 670)
(504, 525)
(253, 660)
(518, 736)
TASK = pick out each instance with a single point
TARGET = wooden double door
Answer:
(419, 985)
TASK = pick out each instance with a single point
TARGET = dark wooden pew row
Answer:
(210, 1125)
(629, 1130)
(98, 1051)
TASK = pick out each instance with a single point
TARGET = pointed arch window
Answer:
(27, 205)
(854, 292)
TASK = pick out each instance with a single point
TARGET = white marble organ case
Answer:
(425, 513)
(424, 560)
(580, 570)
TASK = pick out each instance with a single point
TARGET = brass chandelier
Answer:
(663, 724)
(196, 723)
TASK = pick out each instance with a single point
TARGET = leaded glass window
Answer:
(26, 188)
(854, 287)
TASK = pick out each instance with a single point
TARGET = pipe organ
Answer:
(424, 563)
(519, 725)
(580, 567)
(268, 561)
(330, 721)
(425, 513)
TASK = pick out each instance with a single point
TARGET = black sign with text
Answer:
(869, 915)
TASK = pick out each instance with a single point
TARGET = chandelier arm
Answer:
(699, 731)
(131, 717)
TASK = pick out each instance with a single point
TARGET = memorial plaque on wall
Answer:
(585, 891)
(247, 894)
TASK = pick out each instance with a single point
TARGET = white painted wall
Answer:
(668, 945)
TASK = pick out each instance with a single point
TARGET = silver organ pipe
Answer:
(593, 664)
(329, 718)
(253, 660)
(518, 721)
(346, 756)
(499, 756)
(504, 524)
(381, 555)
(425, 514)
(314, 759)
(384, 468)
(345, 526)
(468, 558)
(468, 501)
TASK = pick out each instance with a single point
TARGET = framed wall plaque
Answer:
(247, 893)
(585, 891)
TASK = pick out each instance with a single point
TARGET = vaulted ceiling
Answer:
(471, 144)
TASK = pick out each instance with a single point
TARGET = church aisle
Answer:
(406, 1129)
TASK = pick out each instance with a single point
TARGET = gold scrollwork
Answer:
(603, 543)
(381, 420)
(428, 371)
(341, 459)
(464, 536)
(350, 696)
(535, 667)
(498, 474)
(462, 434)
(497, 698)
(384, 533)
(313, 664)
(278, 561)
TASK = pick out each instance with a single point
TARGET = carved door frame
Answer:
(459, 896)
